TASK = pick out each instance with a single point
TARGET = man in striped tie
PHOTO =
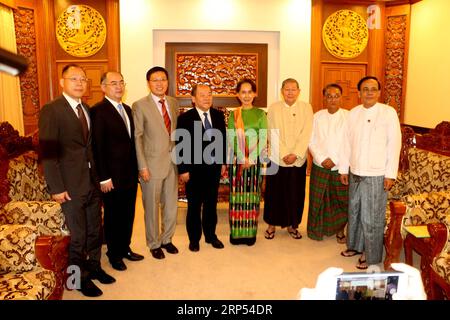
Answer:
(155, 117)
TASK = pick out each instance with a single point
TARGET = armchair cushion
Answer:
(25, 181)
(424, 208)
(17, 248)
(46, 216)
(428, 172)
(37, 284)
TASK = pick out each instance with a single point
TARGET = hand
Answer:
(184, 177)
(107, 186)
(328, 163)
(61, 197)
(344, 179)
(388, 183)
(325, 286)
(290, 158)
(415, 290)
(145, 174)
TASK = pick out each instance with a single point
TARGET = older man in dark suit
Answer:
(116, 163)
(200, 167)
(65, 140)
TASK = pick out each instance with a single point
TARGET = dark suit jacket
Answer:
(114, 149)
(65, 154)
(187, 121)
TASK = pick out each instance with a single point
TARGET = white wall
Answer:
(143, 21)
(428, 88)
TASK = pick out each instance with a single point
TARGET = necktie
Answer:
(83, 121)
(209, 158)
(207, 124)
(165, 115)
(122, 114)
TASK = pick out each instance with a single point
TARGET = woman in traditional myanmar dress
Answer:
(247, 140)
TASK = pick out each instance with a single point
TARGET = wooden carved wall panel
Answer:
(29, 85)
(395, 61)
(220, 65)
(216, 70)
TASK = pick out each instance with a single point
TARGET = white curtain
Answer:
(10, 100)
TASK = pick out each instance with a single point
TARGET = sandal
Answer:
(341, 238)
(362, 264)
(295, 234)
(350, 253)
(269, 234)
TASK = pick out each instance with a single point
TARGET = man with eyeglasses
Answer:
(369, 165)
(65, 132)
(115, 156)
(155, 117)
(328, 197)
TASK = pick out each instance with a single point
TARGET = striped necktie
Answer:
(166, 117)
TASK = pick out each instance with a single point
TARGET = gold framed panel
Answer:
(219, 65)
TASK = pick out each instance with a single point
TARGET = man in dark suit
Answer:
(65, 141)
(116, 163)
(201, 166)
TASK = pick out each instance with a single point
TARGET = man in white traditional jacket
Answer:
(369, 164)
(328, 197)
(290, 121)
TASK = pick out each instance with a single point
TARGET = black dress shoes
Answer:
(118, 264)
(194, 246)
(102, 276)
(170, 248)
(157, 253)
(132, 256)
(89, 289)
(216, 243)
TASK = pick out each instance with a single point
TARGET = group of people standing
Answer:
(98, 155)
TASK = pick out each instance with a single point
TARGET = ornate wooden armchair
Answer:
(420, 197)
(440, 264)
(33, 238)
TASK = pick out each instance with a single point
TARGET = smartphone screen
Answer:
(367, 286)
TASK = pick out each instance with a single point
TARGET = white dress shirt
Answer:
(159, 106)
(372, 142)
(73, 104)
(116, 106)
(327, 136)
(290, 131)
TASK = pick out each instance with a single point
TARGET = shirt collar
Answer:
(113, 102)
(73, 103)
(156, 99)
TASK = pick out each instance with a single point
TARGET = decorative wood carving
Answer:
(11, 145)
(29, 83)
(345, 34)
(221, 65)
(395, 61)
(52, 252)
(220, 71)
(437, 140)
(81, 31)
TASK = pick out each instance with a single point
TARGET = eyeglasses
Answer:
(371, 90)
(158, 80)
(74, 79)
(116, 83)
